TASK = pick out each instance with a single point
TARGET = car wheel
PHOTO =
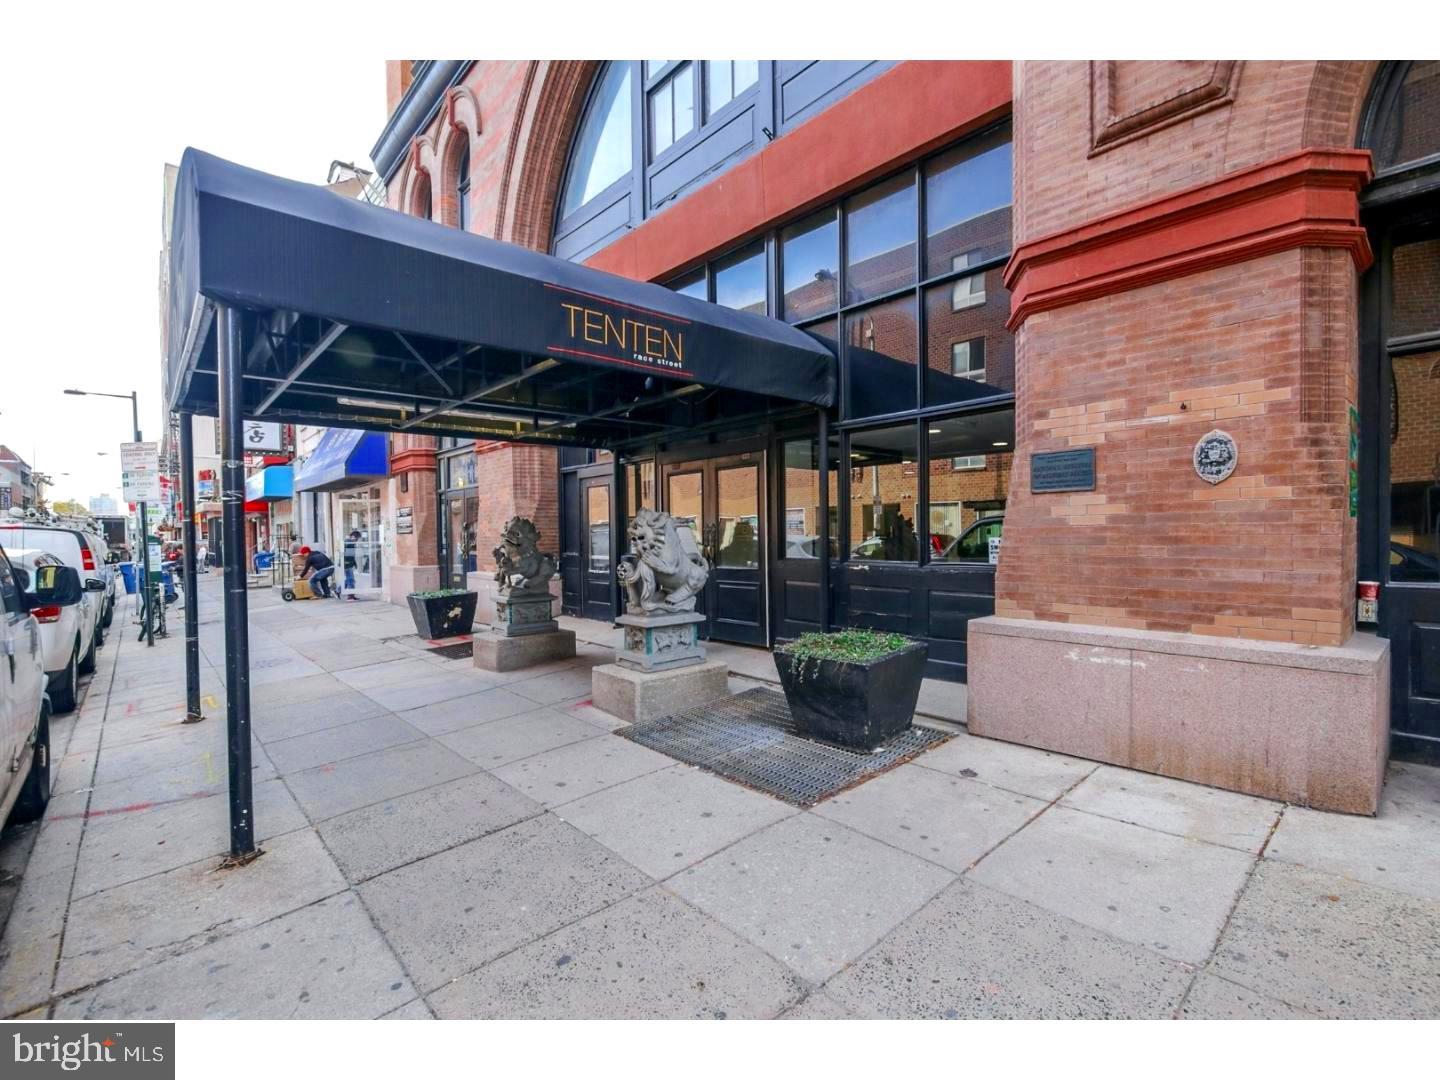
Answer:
(62, 691)
(35, 793)
(87, 662)
(109, 615)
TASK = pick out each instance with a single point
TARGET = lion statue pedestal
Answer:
(660, 666)
(525, 632)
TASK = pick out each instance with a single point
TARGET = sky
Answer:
(84, 311)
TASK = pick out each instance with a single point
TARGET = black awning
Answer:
(357, 315)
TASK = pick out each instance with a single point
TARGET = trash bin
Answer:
(127, 571)
(264, 560)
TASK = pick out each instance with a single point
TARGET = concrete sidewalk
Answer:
(441, 841)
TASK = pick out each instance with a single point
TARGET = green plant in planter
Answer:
(845, 646)
(435, 594)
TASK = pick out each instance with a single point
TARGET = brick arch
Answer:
(1335, 101)
(552, 100)
(459, 127)
(421, 168)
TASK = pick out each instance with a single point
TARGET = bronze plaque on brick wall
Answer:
(1063, 470)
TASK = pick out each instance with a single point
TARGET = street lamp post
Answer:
(147, 627)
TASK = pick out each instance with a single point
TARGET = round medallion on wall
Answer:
(1215, 456)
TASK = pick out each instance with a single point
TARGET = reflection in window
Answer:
(880, 239)
(639, 487)
(883, 490)
(684, 494)
(672, 110)
(739, 517)
(880, 350)
(1415, 292)
(691, 284)
(1411, 129)
(810, 260)
(969, 483)
(597, 523)
(967, 205)
(740, 280)
(800, 495)
(727, 80)
(602, 153)
(968, 343)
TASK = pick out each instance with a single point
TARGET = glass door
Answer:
(458, 523)
(359, 541)
(597, 571)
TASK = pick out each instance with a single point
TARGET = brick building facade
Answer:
(1186, 252)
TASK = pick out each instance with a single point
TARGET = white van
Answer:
(24, 708)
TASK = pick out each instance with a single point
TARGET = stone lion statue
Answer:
(520, 565)
(664, 570)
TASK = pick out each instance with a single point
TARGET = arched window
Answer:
(602, 152)
(1405, 114)
(422, 207)
(462, 188)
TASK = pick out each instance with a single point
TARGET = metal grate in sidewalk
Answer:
(750, 738)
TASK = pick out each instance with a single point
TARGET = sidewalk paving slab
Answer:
(411, 1010)
(973, 952)
(276, 721)
(426, 689)
(582, 768)
(383, 774)
(1214, 998)
(666, 820)
(1023, 769)
(301, 752)
(651, 956)
(1177, 807)
(324, 961)
(813, 894)
(450, 913)
(818, 1006)
(942, 818)
(377, 838)
(519, 736)
(145, 921)
(453, 714)
(1150, 888)
(1399, 849)
(1339, 948)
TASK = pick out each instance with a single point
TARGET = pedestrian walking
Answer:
(348, 558)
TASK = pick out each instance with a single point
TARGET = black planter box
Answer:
(443, 616)
(857, 706)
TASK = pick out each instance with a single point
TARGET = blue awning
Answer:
(271, 484)
(345, 457)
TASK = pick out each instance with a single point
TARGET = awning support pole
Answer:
(189, 570)
(237, 630)
(823, 525)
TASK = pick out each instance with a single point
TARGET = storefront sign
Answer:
(1354, 462)
(1215, 456)
(405, 519)
(140, 471)
(259, 435)
(593, 328)
(1063, 470)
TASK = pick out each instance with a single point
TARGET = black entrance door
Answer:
(723, 501)
(597, 564)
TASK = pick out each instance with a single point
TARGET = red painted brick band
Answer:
(1308, 199)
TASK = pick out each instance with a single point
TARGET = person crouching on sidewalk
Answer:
(318, 570)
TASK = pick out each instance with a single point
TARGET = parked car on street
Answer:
(24, 707)
(81, 548)
(69, 632)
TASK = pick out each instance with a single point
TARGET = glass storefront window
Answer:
(639, 487)
(967, 205)
(460, 471)
(810, 258)
(800, 497)
(602, 151)
(880, 239)
(969, 483)
(883, 492)
(691, 284)
(965, 338)
(880, 352)
(1415, 414)
(740, 280)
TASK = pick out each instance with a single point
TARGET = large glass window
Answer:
(740, 280)
(884, 483)
(968, 483)
(726, 80)
(967, 205)
(692, 284)
(462, 189)
(880, 239)
(800, 496)
(810, 266)
(1414, 353)
(1411, 129)
(639, 487)
(672, 110)
(880, 352)
(602, 153)
(966, 342)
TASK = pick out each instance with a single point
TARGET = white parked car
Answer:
(24, 708)
(81, 548)
(69, 633)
